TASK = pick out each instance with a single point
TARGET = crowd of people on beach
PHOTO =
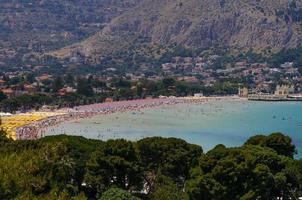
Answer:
(37, 129)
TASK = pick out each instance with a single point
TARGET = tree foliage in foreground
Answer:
(67, 167)
(117, 194)
(277, 141)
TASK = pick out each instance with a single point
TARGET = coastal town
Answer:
(202, 71)
(262, 76)
(34, 96)
(194, 79)
(33, 124)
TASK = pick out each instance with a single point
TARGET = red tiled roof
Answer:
(7, 91)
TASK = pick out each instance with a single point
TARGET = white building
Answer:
(198, 95)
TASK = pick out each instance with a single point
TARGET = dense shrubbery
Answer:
(24, 102)
(288, 55)
(67, 167)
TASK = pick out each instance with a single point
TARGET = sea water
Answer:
(228, 122)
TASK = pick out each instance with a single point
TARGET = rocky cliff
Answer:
(200, 23)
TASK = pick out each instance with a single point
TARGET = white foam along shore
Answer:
(37, 129)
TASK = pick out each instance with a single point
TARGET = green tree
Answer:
(69, 80)
(9, 105)
(280, 143)
(84, 88)
(2, 96)
(68, 167)
(248, 172)
(117, 194)
(172, 157)
(256, 140)
(114, 163)
(166, 189)
(168, 82)
(30, 78)
(57, 84)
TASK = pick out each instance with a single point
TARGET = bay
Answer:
(228, 122)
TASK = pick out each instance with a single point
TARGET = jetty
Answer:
(282, 93)
(270, 97)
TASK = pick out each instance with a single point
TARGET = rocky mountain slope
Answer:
(41, 25)
(198, 24)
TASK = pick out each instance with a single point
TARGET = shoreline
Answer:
(37, 129)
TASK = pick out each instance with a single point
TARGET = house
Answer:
(70, 89)
(191, 79)
(188, 60)
(2, 84)
(167, 66)
(243, 92)
(287, 65)
(284, 90)
(65, 90)
(8, 92)
(62, 92)
(108, 100)
(29, 88)
(241, 64)
(198, 95)
(44, 77)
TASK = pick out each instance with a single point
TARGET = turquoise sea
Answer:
(228, 122)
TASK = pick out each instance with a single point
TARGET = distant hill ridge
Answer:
(43, 25)
(198, 24)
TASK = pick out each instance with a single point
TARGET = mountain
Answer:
(199, 24)
(42, 25)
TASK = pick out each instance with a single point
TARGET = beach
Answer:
(228, 121)
(205, 121)
(33, 125)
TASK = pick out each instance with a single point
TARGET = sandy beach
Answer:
(35, 129)
(226, 121)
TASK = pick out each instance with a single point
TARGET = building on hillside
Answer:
(62, 92)
(29, 88)
(44, 77)
(190, 79)
(108, 100)
(2, 84)
(65, 90)
(243, 92)
(8, 92)
(284, 90)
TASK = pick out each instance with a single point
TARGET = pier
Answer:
(282, 93)
(269, 97)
